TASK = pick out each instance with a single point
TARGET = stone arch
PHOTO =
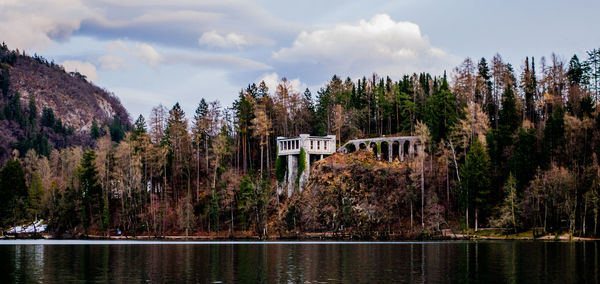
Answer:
(350, 147)
(415, 149)
(373, 147)
(395, 150)
(405, 149)
(385, 150)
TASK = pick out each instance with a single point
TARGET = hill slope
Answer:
(43, 106)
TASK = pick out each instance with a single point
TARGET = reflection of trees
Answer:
(454, 262)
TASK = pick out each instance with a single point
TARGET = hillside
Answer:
(358, 194)
(43, 106)
(74, 100)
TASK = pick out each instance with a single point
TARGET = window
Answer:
(318, 145)
(325, 146)
(311, 145)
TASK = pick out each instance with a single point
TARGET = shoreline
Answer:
(307, 237)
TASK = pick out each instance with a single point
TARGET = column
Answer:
(401, 150)
(306, 173)
(292, 173)
(390, 151)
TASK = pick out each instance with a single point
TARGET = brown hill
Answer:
(74, 100)
(61, 113)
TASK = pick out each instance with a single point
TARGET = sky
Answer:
(150, 52)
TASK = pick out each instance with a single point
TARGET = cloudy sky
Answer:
(149, 51)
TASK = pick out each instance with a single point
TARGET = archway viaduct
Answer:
(386, 148)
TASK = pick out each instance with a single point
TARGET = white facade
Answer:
(312, 145)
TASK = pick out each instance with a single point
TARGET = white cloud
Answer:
(85, 68)
(224, 62)
(112, 62)
(147, 53)
(30, 24)
(119, 51)
(230, 40)
(378, 45)
(272, 80)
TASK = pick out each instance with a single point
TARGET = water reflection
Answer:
(464, 262)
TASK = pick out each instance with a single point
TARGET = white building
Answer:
(315, 148)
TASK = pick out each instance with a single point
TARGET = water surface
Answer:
(293, 262)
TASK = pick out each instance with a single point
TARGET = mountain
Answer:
(43, 106)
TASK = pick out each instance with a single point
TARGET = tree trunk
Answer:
(467, 219)
(447, 190)
(411, 216)
(476, 220)
(454, 157)
(584, 215)
(261, 160)
(545, 217)
(268, 157)
(422, 190)
(514, 220)
(231, 226)
(198, 171)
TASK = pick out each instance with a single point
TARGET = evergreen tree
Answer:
(13, 111)
(48, 118)
(575, 72)
(509, 118)
(94, 130)
(139, 126)
(13, 193)
(244, 111)
(35, 194)
(90, 190)
(4, 82)
(475, 180)
(117, 131)
(484, 90)
(524, 159)
(324, 102)
(442, 113)
(554, 134)
(32, 119)
(530, 89)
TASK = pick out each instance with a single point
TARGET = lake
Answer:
(55, 261)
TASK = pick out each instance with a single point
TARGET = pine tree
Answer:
(575, 72)
(509, 118)
(117, 131)
(32, 119)
(484, 91)
(90, 189)
(34, 199)
(524, 159)
(475, 180)
(13, 193)
(48, 118)
(529, 81)
(139, 127)
(13, 111)
(442, 112)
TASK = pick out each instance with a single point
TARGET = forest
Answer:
(505, 147)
